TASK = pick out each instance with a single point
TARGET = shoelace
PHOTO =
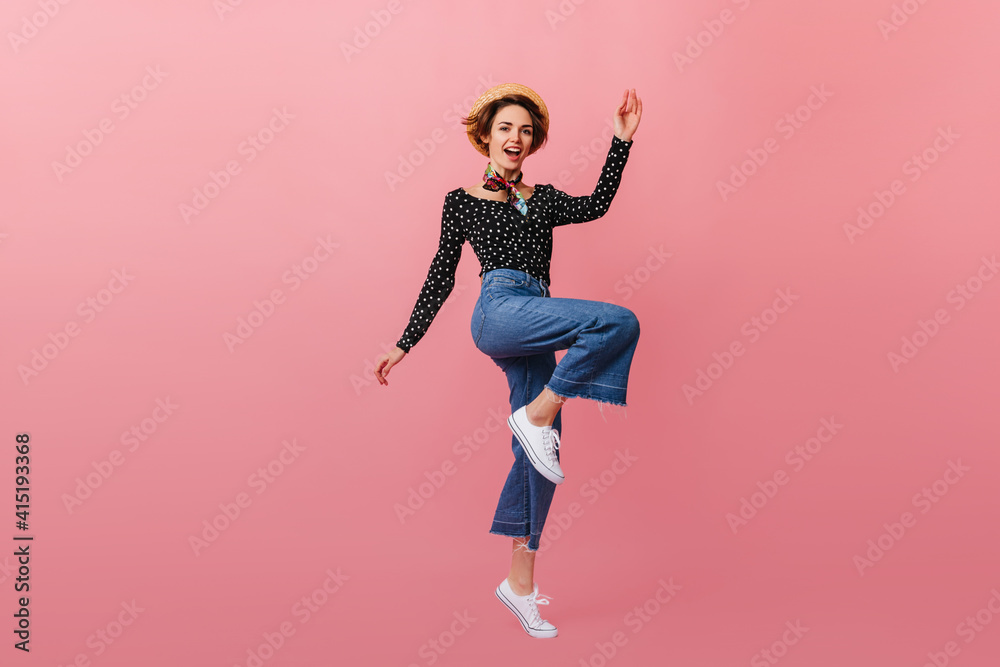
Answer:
(550, 440)
(534, 599)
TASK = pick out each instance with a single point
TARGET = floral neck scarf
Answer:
(495, 182)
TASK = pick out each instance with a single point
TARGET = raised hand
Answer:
(627, 115)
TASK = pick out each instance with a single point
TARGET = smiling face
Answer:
(510, 139)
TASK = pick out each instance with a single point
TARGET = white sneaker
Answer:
(540, 444)
(524, 607)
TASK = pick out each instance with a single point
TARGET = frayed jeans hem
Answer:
(601, 401)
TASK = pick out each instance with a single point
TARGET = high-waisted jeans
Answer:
(518, 324)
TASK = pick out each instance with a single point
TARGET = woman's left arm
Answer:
(573, 210)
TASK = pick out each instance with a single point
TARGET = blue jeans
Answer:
(518, 324)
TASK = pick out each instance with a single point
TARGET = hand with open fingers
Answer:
(627, 115)
(387, 361)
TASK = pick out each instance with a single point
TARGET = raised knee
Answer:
(628, 323)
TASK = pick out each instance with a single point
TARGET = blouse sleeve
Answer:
(570, 210)
(440, 278)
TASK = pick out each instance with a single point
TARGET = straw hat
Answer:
(495, 93)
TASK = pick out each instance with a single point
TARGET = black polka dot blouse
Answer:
(503, 238)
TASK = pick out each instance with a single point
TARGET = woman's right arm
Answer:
(438, 284)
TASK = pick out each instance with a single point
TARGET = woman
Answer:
(517, 322)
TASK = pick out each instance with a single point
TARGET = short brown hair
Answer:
(483, 121)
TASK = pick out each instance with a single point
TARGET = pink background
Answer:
(304, 374)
